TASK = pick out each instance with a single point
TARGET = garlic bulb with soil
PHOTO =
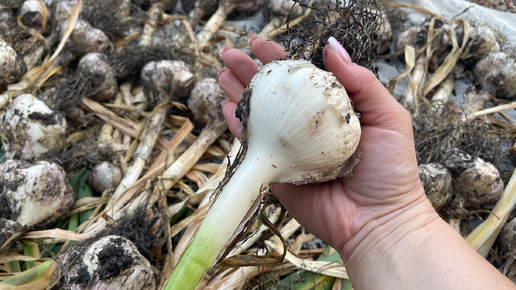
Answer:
(96, 67)
(205, 100)
(34, 195)
(112, 262)
(475, 181)
(86, 39)
(298, 126)
(12, 66)
(30, 128)
(496, 73)
(482, 42)
(105, 176)
(437, 182)
(35, 14)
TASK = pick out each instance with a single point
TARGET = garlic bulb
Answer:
(62, 11)
(482, 42)
(384, 34)
(437, 182)
(32, 15)
(168, 76)
(30, 129)
(34, 195)
(112, 262)
(86, 39)
(105, 176)
(12, 67)
(497, 73)
(95, 65)
(277, 12)
(475, 181)
(204, 102)
(298, 126)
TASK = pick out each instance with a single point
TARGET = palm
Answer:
(335, 211)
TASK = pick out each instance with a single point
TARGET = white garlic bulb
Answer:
(30, 128)
(95, 65)
(112, 262)
(34, 195)
(497, 73)
(104, 176)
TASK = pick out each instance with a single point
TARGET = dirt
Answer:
(113, 259)
(46, 119)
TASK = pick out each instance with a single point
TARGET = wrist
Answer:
(391, 234)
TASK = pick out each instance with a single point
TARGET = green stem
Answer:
(220, 223)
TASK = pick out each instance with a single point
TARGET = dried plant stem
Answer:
(225, 7)
(270, 27)
(410, 98)
(492, 110)
(498, 216)
(151, 24)
(140, 157)
(190, 157)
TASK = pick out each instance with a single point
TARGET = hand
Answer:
(384, 182)
(379, 220)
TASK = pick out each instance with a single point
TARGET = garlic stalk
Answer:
(163, 78)
(154, 16)
(279, 10)
(298, 126)
(30, 128)
(32, 195)
(224, 9)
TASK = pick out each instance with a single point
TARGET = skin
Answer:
(379, 220)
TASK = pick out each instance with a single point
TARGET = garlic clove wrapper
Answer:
(30, 128)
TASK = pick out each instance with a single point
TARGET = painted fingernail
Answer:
(252, 39)
(223, 70)
(223, 51)
(223, 103)
(339, 49)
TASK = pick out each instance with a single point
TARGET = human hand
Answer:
(384, 183)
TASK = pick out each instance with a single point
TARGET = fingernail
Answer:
(252, 39)
(223, 51)
(223, 103)
(339, 49)
(223, 70)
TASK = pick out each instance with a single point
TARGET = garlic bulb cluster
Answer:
(95, 65)
(497, 73)
(34, 194)
(482, 42)
(298, 126)
(476, 182)
(12, 66)
(111, 262)
(30, 128)
(105, 176)
(437, 182)
(204, 102)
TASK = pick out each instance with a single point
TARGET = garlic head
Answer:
(30, 128)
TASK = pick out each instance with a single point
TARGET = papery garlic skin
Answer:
(111, 263)
(299, 127)
(30, 128)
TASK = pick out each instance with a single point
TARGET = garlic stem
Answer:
(211, 238)
(151, 24)
(225, 7)
(272, 25)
